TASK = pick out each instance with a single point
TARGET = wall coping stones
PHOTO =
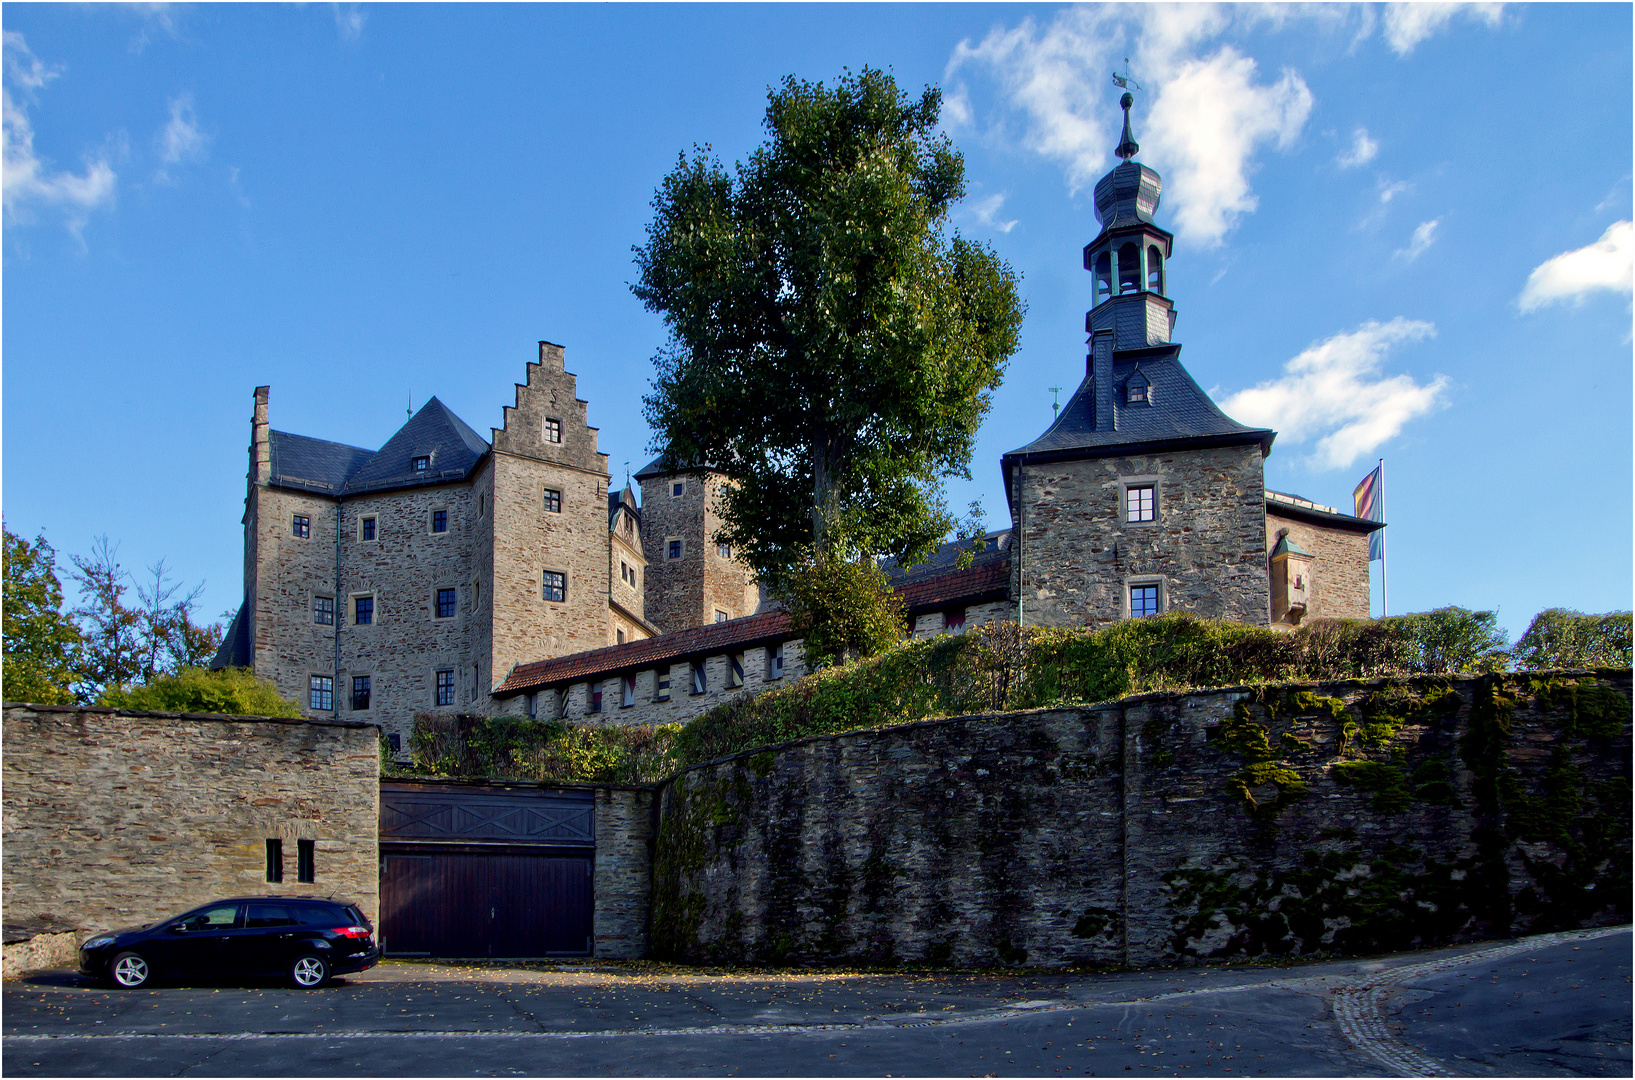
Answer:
(230, 718)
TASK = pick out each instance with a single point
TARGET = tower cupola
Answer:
(1128, 259)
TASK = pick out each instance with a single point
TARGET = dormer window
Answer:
(420, 464)
(1135, 392)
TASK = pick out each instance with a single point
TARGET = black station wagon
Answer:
(306, 940)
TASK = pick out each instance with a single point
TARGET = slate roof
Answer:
(996, 547)
(626, 499)
(978, 583)
(1177, 410)
(313, 464)
(235, 646)
(433, 432)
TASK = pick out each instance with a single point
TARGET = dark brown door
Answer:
(477, 904)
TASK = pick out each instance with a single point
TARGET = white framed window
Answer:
(445, 687)
(321, 693)
(1146, 597)
(366, 527)
(323, 610)
(1141, 502)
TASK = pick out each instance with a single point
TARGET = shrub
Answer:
(236, 691)
(1450, 639)
(1559, 638)
(505, 747)
(843, 610)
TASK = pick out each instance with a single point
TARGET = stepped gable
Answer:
(979, 583)
(1176, 409)
(434, 432)
(315, 465)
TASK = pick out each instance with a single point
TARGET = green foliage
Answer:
(831, 350)
(236, 691)
(41, 643)
(506, 747)
(1450, 639)
(843, 610)
(1559, 638)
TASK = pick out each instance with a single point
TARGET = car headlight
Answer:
(97, 943)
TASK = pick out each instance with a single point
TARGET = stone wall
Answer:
(623, 876)
(687, 591)
(1339, 572)
(1353, 817)
(113, 819)
(1206, 549)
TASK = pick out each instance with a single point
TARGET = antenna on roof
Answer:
(410, 408)
(1056, 403)
(627, 474)
(1124, 80)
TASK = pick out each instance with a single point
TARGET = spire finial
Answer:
(1127, 146)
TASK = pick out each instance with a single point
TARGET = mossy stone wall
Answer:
(1332, 818)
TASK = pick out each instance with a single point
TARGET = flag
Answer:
(1370, 499)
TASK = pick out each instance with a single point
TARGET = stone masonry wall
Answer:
(1355, 817)
(1206, 550)
(687, 592)
(113, 819)
(623, 876)
(1339, 570)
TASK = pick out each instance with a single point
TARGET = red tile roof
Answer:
(977, 583)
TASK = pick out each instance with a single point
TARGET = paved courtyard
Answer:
(1557, 1005)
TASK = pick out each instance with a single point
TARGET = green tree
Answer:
(1451, 639)
(112, 657)
(1559, 638)
(236, 691)
(832, 351)
(41, 644)
(843, 611)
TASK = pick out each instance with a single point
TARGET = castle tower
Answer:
(692, 579)
(1142, 496)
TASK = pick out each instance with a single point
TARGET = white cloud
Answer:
(1334, 394)
(180, 140)
(1209, 113)
(1608, 264)
(1406, 25)
(349, 20)
(1389, 191)
(986, 211)
(28, 180)
(1363, 149)
(1424, 236)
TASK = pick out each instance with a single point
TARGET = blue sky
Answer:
(1402, 232)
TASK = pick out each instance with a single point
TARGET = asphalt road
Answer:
(1538, 1007)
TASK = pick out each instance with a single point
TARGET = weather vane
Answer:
(1124, 80)
(1056, 403)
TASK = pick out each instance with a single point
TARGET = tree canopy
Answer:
(41, 643)
(832, 351)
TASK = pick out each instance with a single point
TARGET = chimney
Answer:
(1101, 370)
(260, 440)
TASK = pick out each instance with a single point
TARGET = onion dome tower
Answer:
(1127, 258)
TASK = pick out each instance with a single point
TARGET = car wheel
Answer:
(309, 972)
(131, 970)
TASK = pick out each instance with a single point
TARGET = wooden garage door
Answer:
(482, 904)
(473, 871)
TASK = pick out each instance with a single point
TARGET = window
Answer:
(553, 501)
(305, 864)
(439, 521)
(954, 621)
(445, 687)
(678, 488)
(698, 677)
(724, 550)
(672, 549)
(1135, 393)
(302, 526)
(366, 528)
(735, 671)
(721, 616)
(275, 859)
(395, 742)
(624, 571)
(321, 693)
(420, 464)
(774, 661)
(596, 698)
(363, 610)
(482, 506)
(445, 602)
(261, 916)
(360, 692)
(323, 610)
(531, 704)
(661, 685)
(1143, 600)
(556, 586)
(629, 697)
(553, 430)
(619, 636)
(1139, 503)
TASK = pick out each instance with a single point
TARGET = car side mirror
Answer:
(178, 927)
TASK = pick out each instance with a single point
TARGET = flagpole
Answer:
(1384, 574)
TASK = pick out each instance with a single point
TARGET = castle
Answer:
(447, 573)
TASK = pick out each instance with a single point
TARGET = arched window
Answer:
(1129, 268)
(1155, 270)
(1104, 276)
